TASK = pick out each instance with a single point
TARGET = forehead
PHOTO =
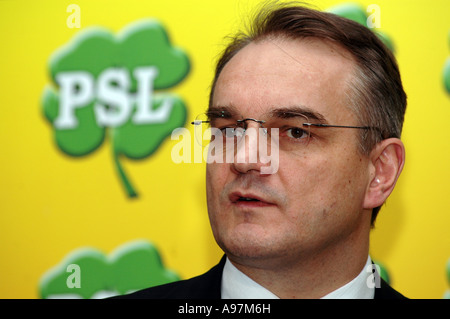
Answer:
(274, 73)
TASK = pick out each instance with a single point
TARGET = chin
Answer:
(250, 241)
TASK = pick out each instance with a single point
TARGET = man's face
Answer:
(315, 199)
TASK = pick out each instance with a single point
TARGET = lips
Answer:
(248, 200)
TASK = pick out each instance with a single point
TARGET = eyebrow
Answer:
(221, 111)
(282, 112)
(299, 110)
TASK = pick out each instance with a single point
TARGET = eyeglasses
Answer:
(292, 130)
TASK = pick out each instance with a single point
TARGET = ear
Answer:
(387, 160)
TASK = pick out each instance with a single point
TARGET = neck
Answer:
(310, 275)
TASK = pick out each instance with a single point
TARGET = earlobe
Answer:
(387, 160)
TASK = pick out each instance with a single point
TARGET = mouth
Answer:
(248, 200)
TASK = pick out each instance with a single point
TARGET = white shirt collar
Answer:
(236, 285)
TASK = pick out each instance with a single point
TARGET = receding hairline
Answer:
(334, 46)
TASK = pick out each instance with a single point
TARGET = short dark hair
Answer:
(375, 94)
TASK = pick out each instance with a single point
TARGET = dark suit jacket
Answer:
(208, 285)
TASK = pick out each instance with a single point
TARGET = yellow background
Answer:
(52, 204)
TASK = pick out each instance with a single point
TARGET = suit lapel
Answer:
(387, 292)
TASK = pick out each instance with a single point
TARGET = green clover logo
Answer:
(103, 85)
(89, 273)
(356, 13)
(446, 73)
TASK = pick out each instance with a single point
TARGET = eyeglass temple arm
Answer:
(199, 122)
(342, 126)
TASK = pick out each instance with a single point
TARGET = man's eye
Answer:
(228, 131)
(296, 133)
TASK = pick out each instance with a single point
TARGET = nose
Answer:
(247, 157)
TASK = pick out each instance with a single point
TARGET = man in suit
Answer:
(325, 95)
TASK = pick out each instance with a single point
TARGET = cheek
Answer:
(211, 181)
(212, 196)
(323, 182)
(216, 175)
(325, 199)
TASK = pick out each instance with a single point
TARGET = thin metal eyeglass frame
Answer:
(319, 125)
(304, 124)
